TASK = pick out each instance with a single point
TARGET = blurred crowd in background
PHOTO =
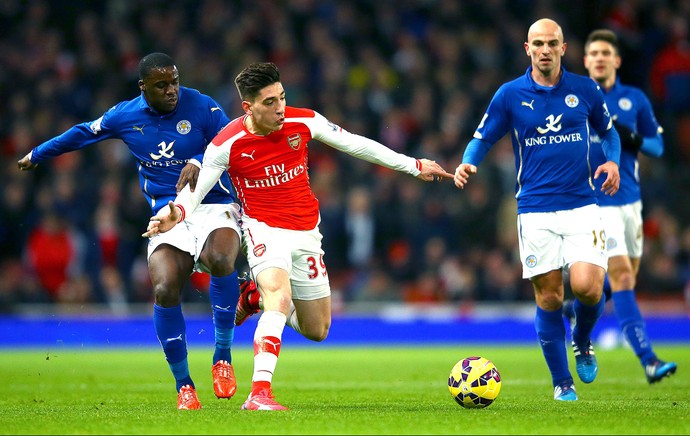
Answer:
(416, 75)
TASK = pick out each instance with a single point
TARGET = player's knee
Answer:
(219, 264)
(165, 296)
(550, 302)
(320, 337)
(587, 289)
(318, 334)
(622, 279)
(590, 295)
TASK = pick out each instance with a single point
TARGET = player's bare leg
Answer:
(311, 318)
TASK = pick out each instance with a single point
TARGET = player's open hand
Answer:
(164, 220)
(188, 175)
(613, 177)
(25, 163)
(463, 173)
(432, 172)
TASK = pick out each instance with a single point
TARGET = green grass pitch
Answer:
(334, 390)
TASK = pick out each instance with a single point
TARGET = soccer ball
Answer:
(474, 382)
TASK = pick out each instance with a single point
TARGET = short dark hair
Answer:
(256, 77)
(605, 35)
(154, 61)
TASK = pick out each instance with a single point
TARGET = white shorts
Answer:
(298, 252)
(190, 235)
(555, 240)
(624, 236)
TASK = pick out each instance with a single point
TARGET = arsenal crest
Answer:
(294, 141)
(259, 250)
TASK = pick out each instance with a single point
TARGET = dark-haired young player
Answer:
(265, 152)
(622, 214)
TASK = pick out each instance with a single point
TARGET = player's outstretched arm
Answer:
(25, 163)
(164, 220)
(613, 178)
(431, 171)
(463, 173)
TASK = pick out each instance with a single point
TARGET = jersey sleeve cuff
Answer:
(418, 165)
(182, 212)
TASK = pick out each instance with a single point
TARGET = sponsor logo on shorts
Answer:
(259, 250)
(531, 261)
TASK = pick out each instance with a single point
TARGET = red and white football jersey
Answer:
(270, 173)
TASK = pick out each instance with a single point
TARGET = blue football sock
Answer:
(586, 318)
(224, 293)
(632, 325)
(607, 288)
(170, 329)
(551, 334)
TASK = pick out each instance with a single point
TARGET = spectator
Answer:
(54, 254)
(57, 58)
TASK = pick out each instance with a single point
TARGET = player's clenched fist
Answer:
(463, 173)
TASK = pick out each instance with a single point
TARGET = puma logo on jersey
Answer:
(529, 105)
(553, 124)
(139, 129)
(213, 109)
(250, 156)
(165, 151)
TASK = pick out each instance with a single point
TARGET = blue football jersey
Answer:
(162, 144)
(550, 132)
(630, 107)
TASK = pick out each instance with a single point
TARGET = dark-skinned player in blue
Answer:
(166, 129)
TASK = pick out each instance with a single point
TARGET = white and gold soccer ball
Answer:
(474, 382)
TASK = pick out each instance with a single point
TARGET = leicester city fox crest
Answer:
(625, 104)
(184, 127)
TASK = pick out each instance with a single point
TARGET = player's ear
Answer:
(142, 87)
(246, 107)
